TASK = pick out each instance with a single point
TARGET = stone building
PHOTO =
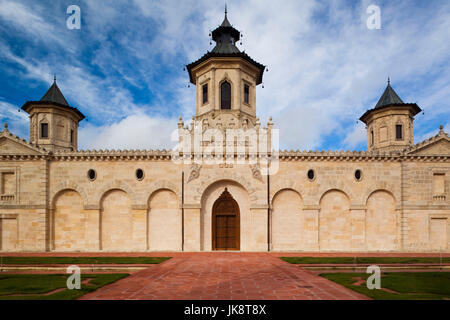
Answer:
(392, 197)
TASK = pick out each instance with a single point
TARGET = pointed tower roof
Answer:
(226, 37)
(225, 22)
(390, 98)
(54, 95)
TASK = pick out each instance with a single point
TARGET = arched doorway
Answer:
(225, 223)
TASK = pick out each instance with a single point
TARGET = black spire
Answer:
(225, 22)
(54, 95)
(226, 37)
(388, 97)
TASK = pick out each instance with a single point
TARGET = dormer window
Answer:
(398, 132)
(205, 93)
(44, 130)
(246, 93)
(225, 95)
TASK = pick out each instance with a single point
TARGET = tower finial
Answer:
(389, 81)
(225, 10)
(54, 78)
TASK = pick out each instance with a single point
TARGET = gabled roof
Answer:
(14, 145)
(438, 144)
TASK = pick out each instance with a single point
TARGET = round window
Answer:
(311, 174)
(139, 174)
(358, 175)
(92, 174)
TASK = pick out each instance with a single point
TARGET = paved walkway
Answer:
(224, 276)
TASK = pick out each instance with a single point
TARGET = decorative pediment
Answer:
(11, 144)
(437, 145)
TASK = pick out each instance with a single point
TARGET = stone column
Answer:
(311, 228)
(257, 240)
(1, 183)
(139, 227)
(192, 227)
(239, 93)
(214, 87)
(358, 220)
(51, 229)
(93, 228)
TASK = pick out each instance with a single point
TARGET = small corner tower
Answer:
(390, 123)
(226, 80)
(53, 122)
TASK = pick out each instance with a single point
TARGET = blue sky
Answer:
(124, 68)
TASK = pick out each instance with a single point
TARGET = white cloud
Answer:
(326, 67)
(36, 70)
(29, 19)
(356, 137)
(137, 131)
(433, 132)
(17, 121)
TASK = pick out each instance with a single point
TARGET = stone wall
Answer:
(395, 206)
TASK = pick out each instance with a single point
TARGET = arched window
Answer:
(225, 95)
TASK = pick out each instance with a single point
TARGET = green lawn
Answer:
(408, 285)
(81, 260)
(364, 260)
(32, 286)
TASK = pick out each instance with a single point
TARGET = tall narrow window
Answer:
(371, 137)
(398, 132)
(247, 93)
(205, 93)
(225, 95)
(71, 136)
(44, 130)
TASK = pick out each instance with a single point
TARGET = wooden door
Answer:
(225, 224)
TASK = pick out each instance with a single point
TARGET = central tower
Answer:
(226, 81)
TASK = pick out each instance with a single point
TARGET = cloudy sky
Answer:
(124, 68)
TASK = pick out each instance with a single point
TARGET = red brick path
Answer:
(224, 276)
